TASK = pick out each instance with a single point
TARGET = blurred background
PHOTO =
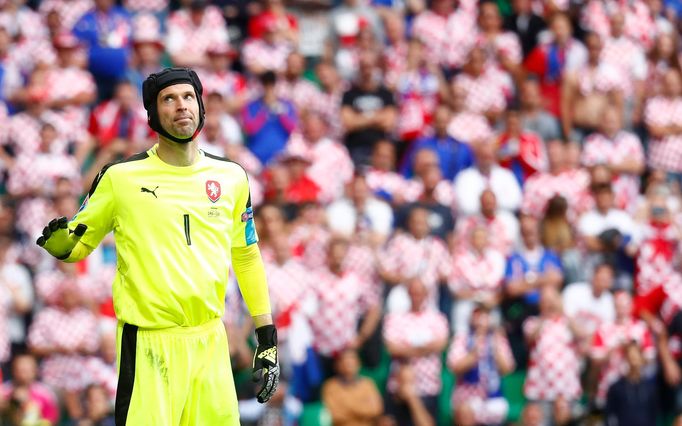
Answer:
(469, 211)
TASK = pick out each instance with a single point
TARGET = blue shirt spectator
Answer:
(106, 31)
(268, 121)
(454, 155)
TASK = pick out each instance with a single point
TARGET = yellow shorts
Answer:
(175, 377)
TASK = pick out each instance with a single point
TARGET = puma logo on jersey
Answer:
(269, 355)
(153, 192)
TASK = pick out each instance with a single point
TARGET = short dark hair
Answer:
(268, 78)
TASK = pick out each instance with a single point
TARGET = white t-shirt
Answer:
(343, 217)
(586, 309)
(470, 183)
(594, 223)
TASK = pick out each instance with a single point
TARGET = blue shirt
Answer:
(454, 155)
(518, 266)
(268, 131)
(107, 36)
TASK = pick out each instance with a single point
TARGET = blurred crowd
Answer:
(443, 188)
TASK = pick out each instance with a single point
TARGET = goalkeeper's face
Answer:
(178, 110)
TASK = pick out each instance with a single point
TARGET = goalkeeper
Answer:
(179, 216)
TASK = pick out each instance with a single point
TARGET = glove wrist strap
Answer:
(267, 335)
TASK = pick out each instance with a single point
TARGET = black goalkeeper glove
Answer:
(265, 365)
(58, 240)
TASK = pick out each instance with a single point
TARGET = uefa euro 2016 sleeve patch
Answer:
(250, 230)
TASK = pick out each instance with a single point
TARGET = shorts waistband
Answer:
(183, 330)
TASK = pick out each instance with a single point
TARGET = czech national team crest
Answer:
(213, 190)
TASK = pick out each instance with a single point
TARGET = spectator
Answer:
(268, 121)
(293, 87)
(622, 152)
(665, 127)
(350, 398)
(454, 156)
(218, 77)
(274, 12)
(148, 49)
(503, 226)
(562, 179)
(62, 336)
(310, 236)
(381, 174)
(662, 57)
(529, 269)
(476, 277)
(520, 151)
(192, 29)
(633, 400)
(418, 89)
(360, 212)
(329, 99)
(534, 117)
(479, 359)
(416, 339)
(553, 370)
(608, 233)
(414, 254)
(610, 345)
(287, 183)
(394, 56)
(549, 61)
(486, 86)
(268, 53)
(470, 183)
(502, 47)
(415, 411)
(17, 299)
(343, 298)
(331, 168)
(98, 410)
(467, 126)
(591, 305)
(627, 56)
(25, 378)
(69, 12)
(368, 110)
(106, 32)
(524, 22)
(587, 92)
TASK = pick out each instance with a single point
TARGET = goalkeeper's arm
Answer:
(248, 267)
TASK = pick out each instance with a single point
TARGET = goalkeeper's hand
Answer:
(58, 240)
(265, 364)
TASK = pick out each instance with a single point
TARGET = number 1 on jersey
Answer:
(189, 240)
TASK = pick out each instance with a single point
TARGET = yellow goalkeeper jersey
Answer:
(174, 228)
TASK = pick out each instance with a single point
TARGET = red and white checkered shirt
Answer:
(418, 329)
(459, 348)
(24, 132)
(256, 53)
(553, 369)
(329, 106)
(362, 261)
(395, 62)
(70, 11)
(227, 83)
(49, 282)
(68, 83)
(288, 283)
(608, 345)
(99, 372)
(655, 258)
(603, 78)
(506, 43)
(331, 167)
(427, 259)
(387, 181)
(639, 24)
(481, 274)
(487, 92)
(573, 185)
(444, 193)
(309, 244)
(185, 37)
(23, 23)
(302, 93)
(600, 149)
(469, 127)
(665, 153)
(628, 58)
(341, 303)
(500, 236)
(54, 327)
(435, 30)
